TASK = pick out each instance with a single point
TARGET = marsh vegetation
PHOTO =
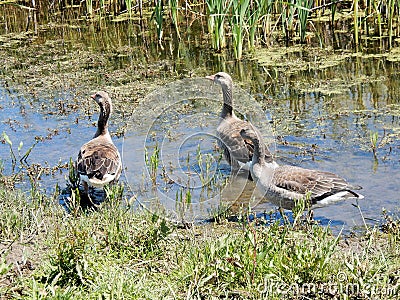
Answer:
(243, 25)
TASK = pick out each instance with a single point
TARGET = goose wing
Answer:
(319, 183)
(230, 140)
(97, 160)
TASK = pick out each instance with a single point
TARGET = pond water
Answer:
(316, 109)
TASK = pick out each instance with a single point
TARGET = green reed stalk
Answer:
(173, 6)
(303, 12)
(378, 14)
(253, 18)
(216, 13)
(333, 12)
(89, 7)
(287, 15)
(238, 24)
(355, 20)
(158, 17)
(266, 9)
(128, 4)
(390, 21)
(152, 162)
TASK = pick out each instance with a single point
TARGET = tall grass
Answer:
(158, 15)
(355, 22)
(240, 10)
(173, 7)
(217, 11)
(244, 22)
(303, 12)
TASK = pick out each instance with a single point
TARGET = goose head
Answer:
(221, 78)
(103, 100)
(249, 134)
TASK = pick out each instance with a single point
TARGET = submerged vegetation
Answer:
(244, 24)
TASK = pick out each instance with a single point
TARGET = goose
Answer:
(283, 185)
(237, 150)
(99, 161)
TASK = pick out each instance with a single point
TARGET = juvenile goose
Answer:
(238, 151)
(282, 185)
(99, 161)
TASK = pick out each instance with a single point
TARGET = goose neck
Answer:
(227, 95)
(257, 155)
(102, 123)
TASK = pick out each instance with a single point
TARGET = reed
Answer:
(266, 11)
(333, 12)
(391, 13)
(216, 14)
(250, 20)
(238, 22)
(288, 10)
(173, 7)
(158, 15)
(89, 7)
(152, 163)
(128, 4)
(303, 11)
(355, 22)
(254, 14)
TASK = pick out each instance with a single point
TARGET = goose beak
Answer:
(93, 96)
(211, 77)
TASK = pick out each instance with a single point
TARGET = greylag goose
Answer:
(238, 151)
(99, 161)
(282, 185)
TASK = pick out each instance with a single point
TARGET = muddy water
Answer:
(320, 107)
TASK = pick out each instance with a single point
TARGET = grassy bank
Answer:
(119, 253)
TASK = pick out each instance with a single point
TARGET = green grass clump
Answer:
(116, 252)
(241, 262)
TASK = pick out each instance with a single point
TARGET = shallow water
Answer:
(315, 114)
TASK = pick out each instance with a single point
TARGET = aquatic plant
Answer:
(256, 9)
(288, 10)
(391, 7)
(173, 7)
(73, 175)
(204, 164)
(264, 20)
(129, 7)
(158, 15)
(373, 136)
(22, 157)
(217, 11)
(238, 22)
(304, 9)
(152, 163)
(355, 22)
